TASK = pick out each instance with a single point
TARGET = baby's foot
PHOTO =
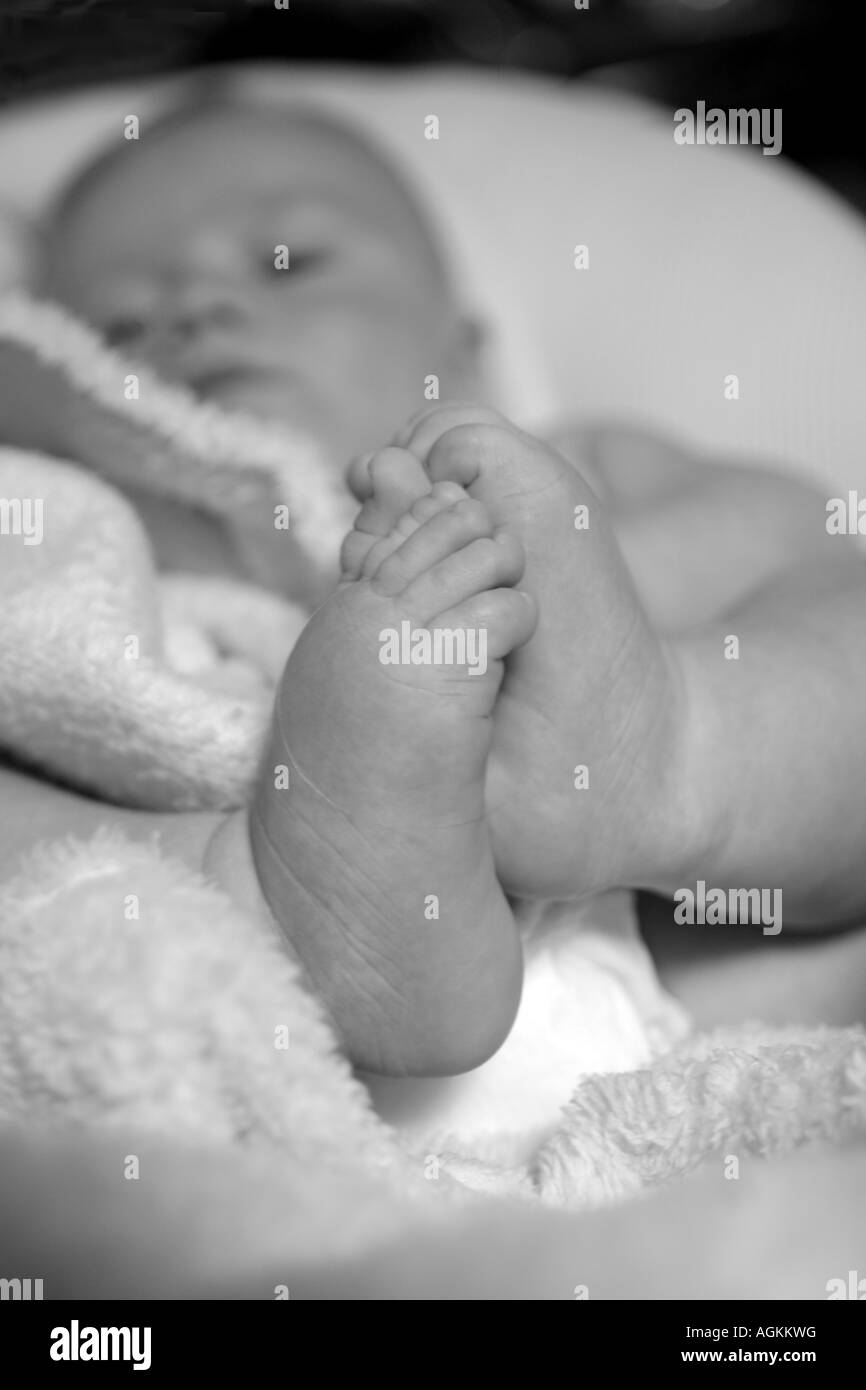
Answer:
(579, 791)
(376, 859)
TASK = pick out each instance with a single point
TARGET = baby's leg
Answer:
(739, 772)
(698, 534)
(375, 859)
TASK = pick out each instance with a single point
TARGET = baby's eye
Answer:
(124, 329)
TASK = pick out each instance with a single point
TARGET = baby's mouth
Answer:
(219, 381)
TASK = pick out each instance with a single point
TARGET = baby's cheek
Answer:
(398, 359)
(368, 361)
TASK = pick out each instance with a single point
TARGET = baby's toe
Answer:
(499, 464)
(508, 618)
(489, 562)
(437, 500)
(424, 428)
(452, 526)
(354, 551)
(440, 497)
(391, 481)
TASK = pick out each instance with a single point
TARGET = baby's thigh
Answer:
(733, 973)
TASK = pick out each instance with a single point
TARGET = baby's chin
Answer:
(266, 396)
(342, 420)
(288, 404)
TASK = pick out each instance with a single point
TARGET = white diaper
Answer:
(592, 1002)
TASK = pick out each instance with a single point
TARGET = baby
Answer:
(603, 587)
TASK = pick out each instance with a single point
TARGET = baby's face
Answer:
(170, 253)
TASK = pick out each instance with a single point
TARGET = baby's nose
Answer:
(200, 303)
(207, 287)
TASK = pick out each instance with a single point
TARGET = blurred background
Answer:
(800, 55)
(797, 54)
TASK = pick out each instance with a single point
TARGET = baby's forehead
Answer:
(240, 147)
(257, 166)
(267, 127)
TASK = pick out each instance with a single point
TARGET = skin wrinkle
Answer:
(371, 893)
(354, 979)
(459, 686)
(327, 909)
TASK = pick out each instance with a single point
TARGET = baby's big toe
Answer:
(500, 465)
(427, 426)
